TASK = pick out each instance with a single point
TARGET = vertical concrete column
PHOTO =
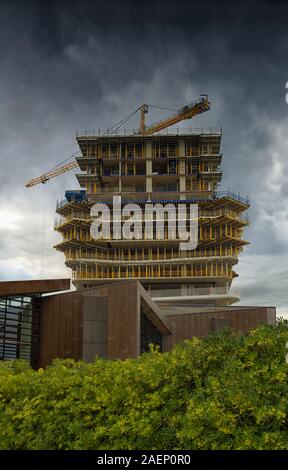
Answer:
(227, 287)
(149, 167)
(119, 179)
(182, 171)
(182, 148)
(183, 289)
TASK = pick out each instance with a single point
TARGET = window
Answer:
(149, 334)
(19, 328)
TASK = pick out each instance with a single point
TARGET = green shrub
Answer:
(227, 391)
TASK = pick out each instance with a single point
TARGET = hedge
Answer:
(227, 391)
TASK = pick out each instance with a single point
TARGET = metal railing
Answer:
(135, 132)
(198, 291)
(156, 155)
(72, 218)
(232, 195)
(173, 274)
(86, 218)
(167, 196)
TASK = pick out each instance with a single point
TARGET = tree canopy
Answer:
(226, 391)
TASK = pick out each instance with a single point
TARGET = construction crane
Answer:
(51, 174)
(186, 112)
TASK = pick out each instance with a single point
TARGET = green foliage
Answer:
(227, 391)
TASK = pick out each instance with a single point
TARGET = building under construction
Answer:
(132, 293)
(153, 165)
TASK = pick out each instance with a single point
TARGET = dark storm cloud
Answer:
(69, 65)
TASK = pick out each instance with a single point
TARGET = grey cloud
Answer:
(69, 65)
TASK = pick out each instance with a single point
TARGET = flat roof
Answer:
(33, 286)
(134, 133)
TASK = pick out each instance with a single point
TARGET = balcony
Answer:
(148, 274)
(111, 258)
(201, 293)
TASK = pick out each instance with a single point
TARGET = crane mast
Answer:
(143, 111)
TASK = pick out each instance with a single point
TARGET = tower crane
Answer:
(186, 112)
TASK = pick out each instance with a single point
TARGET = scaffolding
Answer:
(178, 168)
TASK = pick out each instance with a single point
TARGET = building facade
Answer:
(20, 317)
(162, 168)
(116, 320)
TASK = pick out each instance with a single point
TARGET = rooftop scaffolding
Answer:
(135, 132)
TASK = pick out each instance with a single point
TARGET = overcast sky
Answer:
(76, 65)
